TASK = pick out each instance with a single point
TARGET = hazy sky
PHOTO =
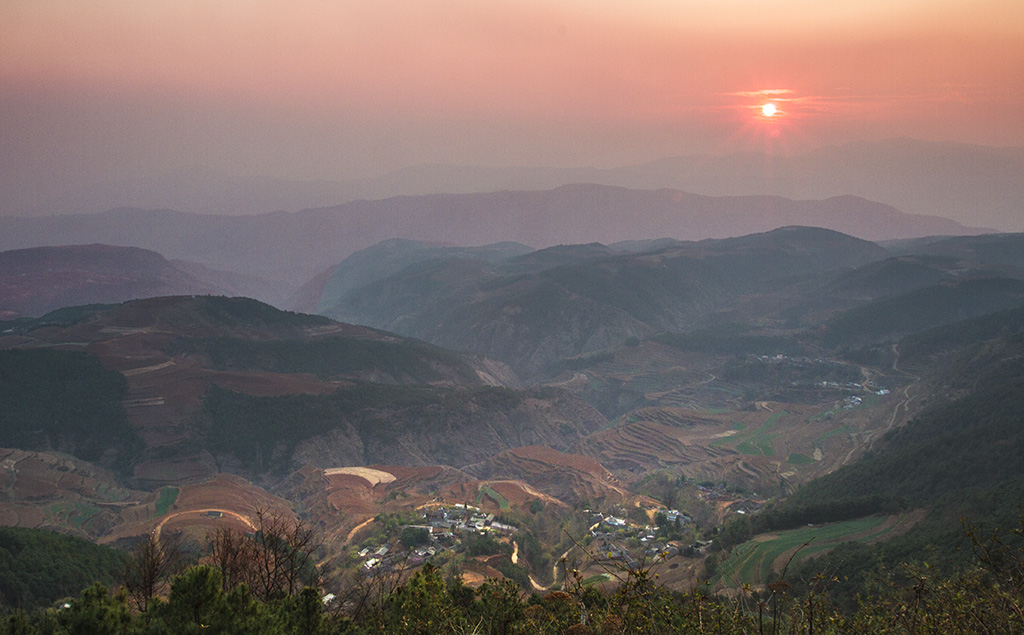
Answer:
(345, 88)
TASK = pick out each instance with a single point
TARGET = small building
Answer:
(612, 521)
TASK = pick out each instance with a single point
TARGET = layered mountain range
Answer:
(633, 376)
(287, 249)
(969, 184)
(534, 309)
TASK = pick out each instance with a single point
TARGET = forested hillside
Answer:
(64, 400)
(38, 567)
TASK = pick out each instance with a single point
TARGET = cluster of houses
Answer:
(851, 385)
(612, 547)
(444, 525)
(611, 533)
(463, 518)
(378, 561)
(801, 362)
(745, 506)
(712, 492)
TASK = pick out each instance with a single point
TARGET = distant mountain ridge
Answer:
(976, 185)
(290, 248)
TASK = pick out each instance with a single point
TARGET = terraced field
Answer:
(567, 477)
(755, 560)
(754, 442)
(702, 397)
(646, 444)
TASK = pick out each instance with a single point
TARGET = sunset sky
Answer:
(334, 89)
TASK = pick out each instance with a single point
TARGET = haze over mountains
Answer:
(600, 339)
(289, 248)
(974, 185)
(41, 279)
(512, 317)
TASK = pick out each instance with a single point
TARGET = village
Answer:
(442, 531)
(439, 532)
(632, 544)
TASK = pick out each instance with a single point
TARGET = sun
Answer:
(769, 110)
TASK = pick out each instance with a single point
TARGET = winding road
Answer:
(225, 512)
(904, 404)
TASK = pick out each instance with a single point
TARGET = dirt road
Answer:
(355, 530)
(244, 519)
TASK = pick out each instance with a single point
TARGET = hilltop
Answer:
(38, 280)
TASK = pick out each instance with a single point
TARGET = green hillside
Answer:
(403, 359)
(567, 301)
(39, 567)
(64, 400)
(379, 423)
(950, 301)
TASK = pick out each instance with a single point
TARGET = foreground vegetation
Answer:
(266, 582)
(984, 599)
(37, 568)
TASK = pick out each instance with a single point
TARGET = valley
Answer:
(662, 403)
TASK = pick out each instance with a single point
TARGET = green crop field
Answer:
(756, 442)
(72, 514)
(800, 459)
(753, 561)
(489, 491)
(167, 497)
(843, 429)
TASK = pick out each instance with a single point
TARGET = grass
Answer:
(753, 561)
(598, 579)
(167, 497)
(110, 493)
(756, 442)
(800, 459)
(82, 514)
(489, 491)
(747, 448)
(834, 432)
(825, 414)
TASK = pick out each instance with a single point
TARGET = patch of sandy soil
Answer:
(375, 477)
(519, 493)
